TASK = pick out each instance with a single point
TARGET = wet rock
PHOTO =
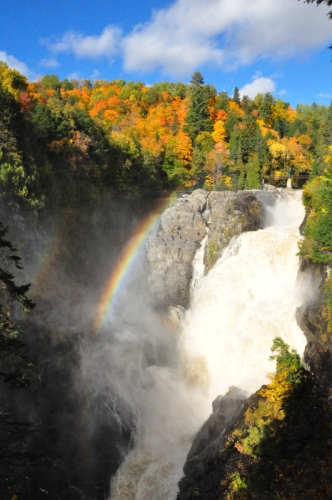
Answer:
(173, 317)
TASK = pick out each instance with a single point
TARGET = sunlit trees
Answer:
(217, 167)
(219, 132)
(122, 135)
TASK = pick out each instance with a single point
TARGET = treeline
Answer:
(66, 142)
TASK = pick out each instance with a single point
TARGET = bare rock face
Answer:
(231, 215)
(171, 251)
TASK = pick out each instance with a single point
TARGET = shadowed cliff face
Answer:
(226, 410)
(313, 319)
(220, 215)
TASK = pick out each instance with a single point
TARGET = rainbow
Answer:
(125, 264)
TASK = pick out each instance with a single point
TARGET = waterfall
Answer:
(246, 300)
(198, 266)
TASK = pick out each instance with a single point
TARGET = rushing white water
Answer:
(245, 301)
(198, 266)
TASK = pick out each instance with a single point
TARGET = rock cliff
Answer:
(207, 442)
(312, 318)
(220, 215)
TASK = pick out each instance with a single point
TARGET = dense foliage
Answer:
(316, 246)
(63, 143)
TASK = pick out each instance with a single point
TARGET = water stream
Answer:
(198, 266)
(246, 300)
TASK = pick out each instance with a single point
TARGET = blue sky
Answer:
(258, 45)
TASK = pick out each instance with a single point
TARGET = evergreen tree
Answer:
(247, 137)
(234, 145)
(198, 166)
(265, 109)
(281, 126)
(198, 117)
(253, 173)
(222, 101)
(262, 150)
(231, 124)
(246, 104)
(197, 79)
(241, 169)
(326, 131)
(236, 96)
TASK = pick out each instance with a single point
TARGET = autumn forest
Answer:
(65, 142)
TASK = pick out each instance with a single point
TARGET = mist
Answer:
(88, 385)
(136, 392)
(246, 300)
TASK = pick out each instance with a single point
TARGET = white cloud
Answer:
(95, 74)
(14, 63)
(327, 96)
(260, 85)
(91, 47)
(49, 63)
(189, 33)
(76, 75)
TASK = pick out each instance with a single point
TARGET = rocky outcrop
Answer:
(231, 215)
(171, 250)
(208, 441)
(312, 318)
(293, 459)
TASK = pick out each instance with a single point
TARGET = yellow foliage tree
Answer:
(12, 80)
(219, 133)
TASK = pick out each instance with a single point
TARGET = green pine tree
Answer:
(265, 109)
(253, 173)
(241, 183)
(236, 96)
(198, 117)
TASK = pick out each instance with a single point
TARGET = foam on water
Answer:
(198, 266)
(246, 300)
